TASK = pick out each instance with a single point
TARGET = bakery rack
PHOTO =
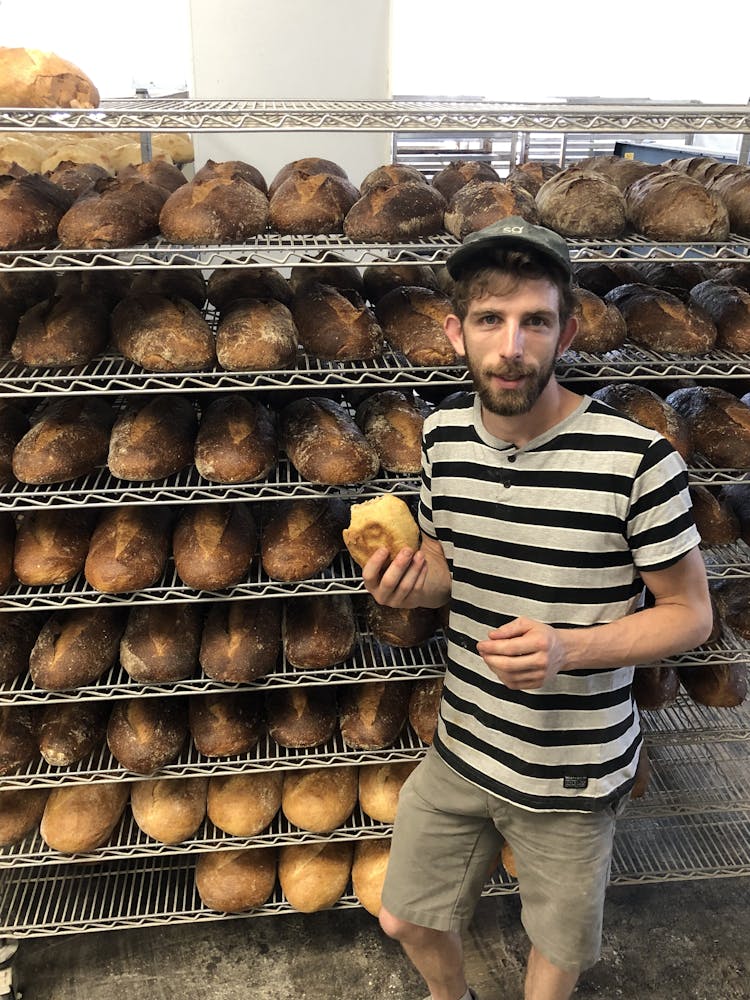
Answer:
(694, 824)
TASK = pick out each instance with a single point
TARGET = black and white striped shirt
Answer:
(557, 531)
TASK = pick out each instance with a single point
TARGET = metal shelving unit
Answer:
(696, 821)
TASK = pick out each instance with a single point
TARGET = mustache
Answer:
(510, 372)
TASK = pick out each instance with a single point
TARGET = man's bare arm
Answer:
(418, 579)
(525, 653)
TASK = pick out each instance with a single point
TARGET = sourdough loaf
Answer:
(69, 439)
(392, 423)
(301, 717)
(241, 640)
(18, 738)
(718, 685)
(378, 279)
(162, 334)
(305, 165)
(232, 168)
(714, 518)
(389, 174)
(379, 788)
(18, 633)
(160, 642)
(646, 408)
(603, 276)
(13, 425)
(335, 324)
(31, 209)
(620, 171)
(21, 810)
(336, 272)
(402, 627)
(63, 331)
(69, 731)
(314, 876)
(158, 171)
(719, 424)
(655, 687)
(319, 799)
(214, 209)
(244, 805)
(80, 818)
(113, 213)
(237, 440)
(368, 872)
(400, 212)
(532, 174)
(152, 438)
(302, 537)
(459, 173)
(128, 549)
(75, 647)
(76, 178)
(169, 810)
(312, 204)
(660, 321)
(412, 320)
(728, 306)
(373, 714)
(51, 546)
(32, 78)
(214, 545)
(424, 706)
(319, 630)
(225, 724)
(256, 335)
(171, 283)
(383, 522)
(234, 881)
(324, 444)
(228, 284)
(582, 205)
(601, 326)
(481, 203)
(145, 734)
(670, 206)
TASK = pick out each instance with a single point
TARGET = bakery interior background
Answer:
(438, 47)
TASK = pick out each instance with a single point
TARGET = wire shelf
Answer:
(65, 898)
(162, 114)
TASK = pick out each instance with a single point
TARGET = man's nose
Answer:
(510, 341)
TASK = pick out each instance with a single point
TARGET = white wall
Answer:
(287, 50)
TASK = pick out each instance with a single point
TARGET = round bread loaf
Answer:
(214, 545)
(244, 805)
(152, 439)
(76, 178)
(214, 209)
(227, 284)
(13, 425)
(582, 205)
(7, 545)
(481, 203)
(113, 213)
(21, 810)
(160, 642)
(169, 810)
(383, 522)
(70, 731)
(171, 283)
(256, 335)
(649, 410)
(617, 169)
(400, 212)
(17, 151)
(403, 627)
(302, 537)
(80, 818)
(75, 149)
(51, 546)
(107, 286)
(18, 738)
(305, 165)
(69, 439)
(75, 647)
(301, 717)
(379, 788)
(161, 334)
(32, 78)
(335, 324)
(241, 640)
(341, 275)
(424, 706)
(732, 604)
(601, 326)
(602, 277)
(63, 331)
(159, 171)
(533, 174)
(390, 174)
(683, 274)
(368, 872)
(714, 518)
(324, 444)
(459, 173)
(314, 876)
(18, 633)
(392, 423)
(237, 440)
(21, 289)
(373, 714)
(225, 724)
(128, 549)
(319, 799)
(733, 187)
(728, 306)
(378, 279)
(236, 880)
(412, 320)
(718, 685)
(719, 424)
(734, 274)
(655, 687)
(737, 498)
(660, 321)
(670, 206)
(319, 630)
(232, 168)
(145, 734)
(31, 209)
(312, 204)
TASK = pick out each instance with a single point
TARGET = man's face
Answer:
(510, 343)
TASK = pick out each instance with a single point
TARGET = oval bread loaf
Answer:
(383, 522)
(80, 818)
(244, 805)
(236, 880)
(169, 810)
(319, 799)
(144, 734)
(314, 876)
(241, 640)
(324, 444)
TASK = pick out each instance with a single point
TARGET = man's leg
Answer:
(545, 981)
(436, 955)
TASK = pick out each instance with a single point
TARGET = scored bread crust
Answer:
(383, 522)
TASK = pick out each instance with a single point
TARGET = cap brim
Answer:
(470, 253)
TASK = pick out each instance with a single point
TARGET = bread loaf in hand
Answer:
(383, 522)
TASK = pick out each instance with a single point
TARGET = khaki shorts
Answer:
(446, 837)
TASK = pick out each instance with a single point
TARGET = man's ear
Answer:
(454, 332)
(567, 335)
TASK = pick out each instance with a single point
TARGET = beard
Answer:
(510, 402)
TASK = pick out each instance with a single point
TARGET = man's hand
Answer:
(524, 653)
(398, 584)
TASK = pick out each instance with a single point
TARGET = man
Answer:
(543, 515)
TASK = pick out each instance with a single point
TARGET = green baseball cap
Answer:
(509, 234)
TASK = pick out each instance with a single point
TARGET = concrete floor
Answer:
(679, 941)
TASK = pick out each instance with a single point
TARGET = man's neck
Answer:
(553, 406)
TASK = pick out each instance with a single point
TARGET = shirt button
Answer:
(511, 458)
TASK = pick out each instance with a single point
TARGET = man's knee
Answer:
(404, 931)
